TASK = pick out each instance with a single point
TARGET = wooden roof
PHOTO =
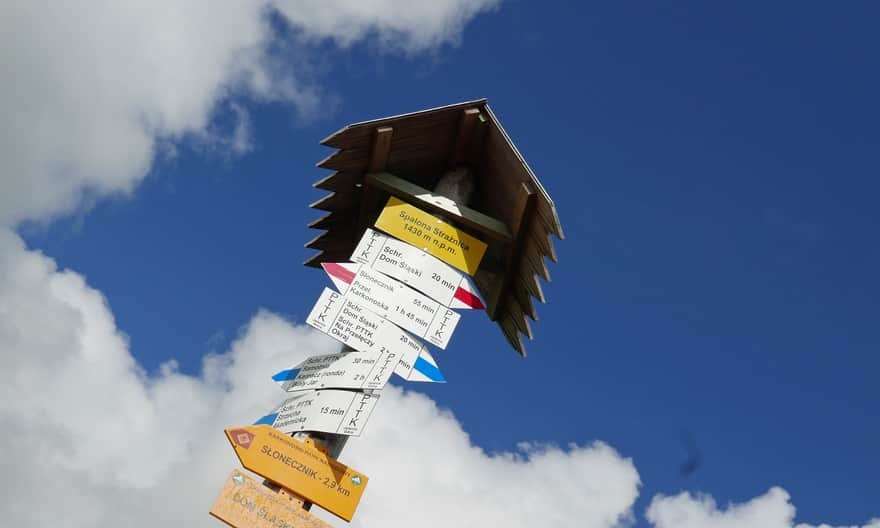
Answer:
(421, 146)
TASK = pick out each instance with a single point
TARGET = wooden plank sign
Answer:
(299, 467)
(351, 323)
(330, 411)
(395, 301)
(417, 269)
(246, 503)
(430, 234)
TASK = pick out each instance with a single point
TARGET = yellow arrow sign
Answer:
(299, 467)
(432, 235)
(245, 503)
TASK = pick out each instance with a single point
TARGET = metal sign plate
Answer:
(416, 269)
(299, 467)
(350, 322)
(395, 301)
(344, 370)
(329, 410)
(428, 233)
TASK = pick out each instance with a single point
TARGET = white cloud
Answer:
(90, 439)
(771, 510)
(90, 87)
(400, 25)
(427, 474)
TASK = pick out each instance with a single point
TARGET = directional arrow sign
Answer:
(417, 269)
(395, 301)
(344, 370)
(330, 410)
(348, 321)
(299, 467)
(246, 503)
(355, 370)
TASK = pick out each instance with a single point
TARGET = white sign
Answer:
(395, 301)
(348, 321)
(344, 370)
(330, 411)
(418, 269)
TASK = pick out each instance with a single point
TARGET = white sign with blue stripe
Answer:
(345, 370)
(330, 411)
(352, 323)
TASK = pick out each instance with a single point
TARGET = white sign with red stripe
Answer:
(348, 321)
(418, 269)
(395, 301)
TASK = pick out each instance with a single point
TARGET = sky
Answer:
(707, 355)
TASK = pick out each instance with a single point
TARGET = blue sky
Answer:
(715, 170)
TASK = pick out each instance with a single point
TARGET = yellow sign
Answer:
(432, 235)
(245, 503)
(299, 467)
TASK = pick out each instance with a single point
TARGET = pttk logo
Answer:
(242, 437)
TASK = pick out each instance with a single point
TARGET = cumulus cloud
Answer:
(771, 510)
(91, 88)
(460, 485)
(95, 439)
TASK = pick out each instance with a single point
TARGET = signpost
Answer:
(245, 503)
(299, 466)
(431, 234)
(399, 288)
(395, 302)
(329, 410)
(416, 269)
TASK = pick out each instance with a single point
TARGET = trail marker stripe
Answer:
(429, 370)
(329, 410)
(286, 375)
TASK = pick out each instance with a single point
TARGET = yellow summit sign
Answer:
(432, 235)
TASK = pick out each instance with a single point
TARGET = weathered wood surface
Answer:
(418, 148)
